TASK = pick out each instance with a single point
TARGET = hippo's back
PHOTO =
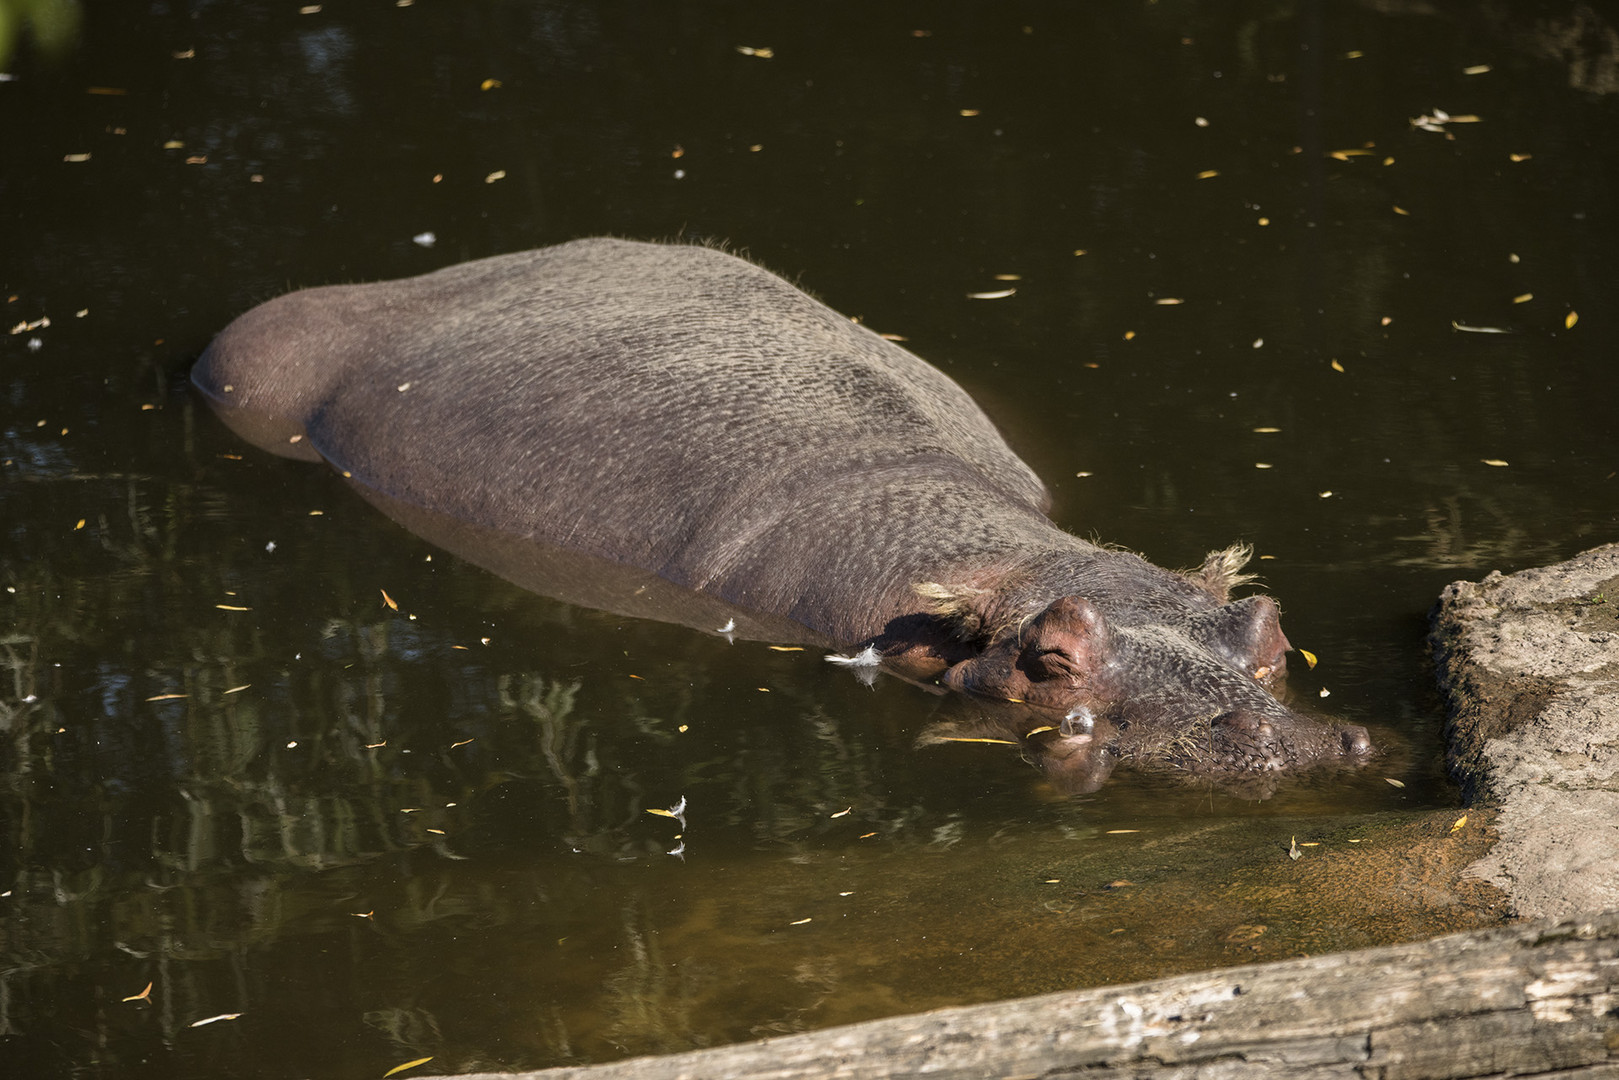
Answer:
(654, 404)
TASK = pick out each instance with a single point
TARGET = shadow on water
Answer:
(371, 827)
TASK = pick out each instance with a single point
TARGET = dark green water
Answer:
(376, 836)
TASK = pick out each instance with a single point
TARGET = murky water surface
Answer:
(1254, 300)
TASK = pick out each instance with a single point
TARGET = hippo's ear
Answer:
(1068, 640)
(1222, 571)
(1248, 635)
(961, 606)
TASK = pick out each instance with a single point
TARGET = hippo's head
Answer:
(1192, 692)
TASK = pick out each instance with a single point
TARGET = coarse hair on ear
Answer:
(1222, 571)
(959, 605)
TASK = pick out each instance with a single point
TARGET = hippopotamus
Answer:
(680, 417)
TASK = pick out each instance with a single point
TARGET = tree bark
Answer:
(1536, 998)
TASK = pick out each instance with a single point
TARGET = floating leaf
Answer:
(1042, 728)
(1570, 319)
(800, 922)
(998, 294)
(1337, 366)
(1497, 462)
(1121, 832)
(844, 812)
(489, 84)
(1309, 658)
(1169, 301)
(1523, 298)
(213, 1019)
(144, 995)
(1476, 69)
(763, 52)
(406, 1065)
(1393, 782)
(998, 742)
(386, 599)
(1208, 174)
(1454, 325)
(1293, 851)
(786, 648)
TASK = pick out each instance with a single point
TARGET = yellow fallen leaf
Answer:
(463, 742)
(1402, 212)
(998, 742)
(844, 812)
(1476, 69)
(659, 812)
(232, 607)
(212, 1019)
(1121, 832)
(386, 599)
(489, 84)
(1169, 301)
(800, 922)
(1519, 157)
(406, 1065)
(1038, 730)
(1393, 782)
(1337, 366)
(1208, 174)
(1497, 462)
(166, 697)
(1570, 319)
(1523, 298)
(998, 294)
(786, 648)
(1460, 822)
(1309, 658)
(144, 995)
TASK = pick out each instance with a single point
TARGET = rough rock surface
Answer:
(1529, 663)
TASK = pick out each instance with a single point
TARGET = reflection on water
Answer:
(228, 769)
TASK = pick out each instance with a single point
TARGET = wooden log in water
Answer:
(1538, 998)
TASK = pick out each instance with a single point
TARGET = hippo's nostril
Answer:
(1356, 741)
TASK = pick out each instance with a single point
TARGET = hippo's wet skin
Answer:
(680, 412)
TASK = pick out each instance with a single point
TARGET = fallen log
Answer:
(1537, 998)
